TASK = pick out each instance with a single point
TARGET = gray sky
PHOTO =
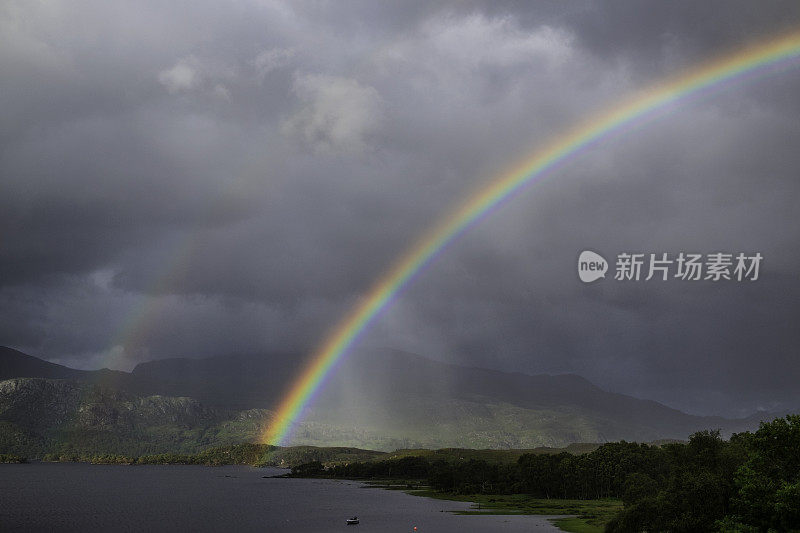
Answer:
(204, 178)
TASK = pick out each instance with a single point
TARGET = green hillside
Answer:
(64, 417)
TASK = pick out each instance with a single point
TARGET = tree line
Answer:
(750, 483)
(239, 454)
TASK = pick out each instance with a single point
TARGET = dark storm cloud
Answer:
(660, 36)
(194, 179)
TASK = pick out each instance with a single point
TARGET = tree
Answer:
(769, 482)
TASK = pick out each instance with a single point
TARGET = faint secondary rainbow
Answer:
(643, 106)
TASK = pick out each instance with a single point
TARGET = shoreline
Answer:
(571, 515)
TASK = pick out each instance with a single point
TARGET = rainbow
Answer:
(147, 310)
(649, 104)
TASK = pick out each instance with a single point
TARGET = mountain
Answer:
(73, 418)
(407, 396)
(15, 364)
(376, 399)
(40, 416)
(236, 381)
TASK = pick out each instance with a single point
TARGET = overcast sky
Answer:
(186, 179)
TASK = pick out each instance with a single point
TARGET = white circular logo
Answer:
(591, 266)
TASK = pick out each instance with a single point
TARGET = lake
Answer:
(83, 497)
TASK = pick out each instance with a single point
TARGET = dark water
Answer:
(81, 497)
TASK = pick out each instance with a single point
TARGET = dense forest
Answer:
(748, 483)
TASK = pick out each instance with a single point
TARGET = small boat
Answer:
(352, 521)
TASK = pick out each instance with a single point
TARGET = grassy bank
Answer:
(590, 515)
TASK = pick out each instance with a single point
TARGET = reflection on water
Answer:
(80, 497)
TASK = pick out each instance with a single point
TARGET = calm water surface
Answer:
(81, 497)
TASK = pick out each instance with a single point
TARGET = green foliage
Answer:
(61, 417)
(576, 525)
(64, 458)
(404, 468)
(750, 483)
(609, 471)
(599, 474)
(692, 495)
(489, 455)
(590, 515)
(638, 486)
(297, 455)
(312, 469)
(111, 459)
(239, 454)
(768, 482)
(167, 459)
(11, 458)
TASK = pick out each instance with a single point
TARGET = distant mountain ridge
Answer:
(15, 364)
(384, 399)
(68, 417)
